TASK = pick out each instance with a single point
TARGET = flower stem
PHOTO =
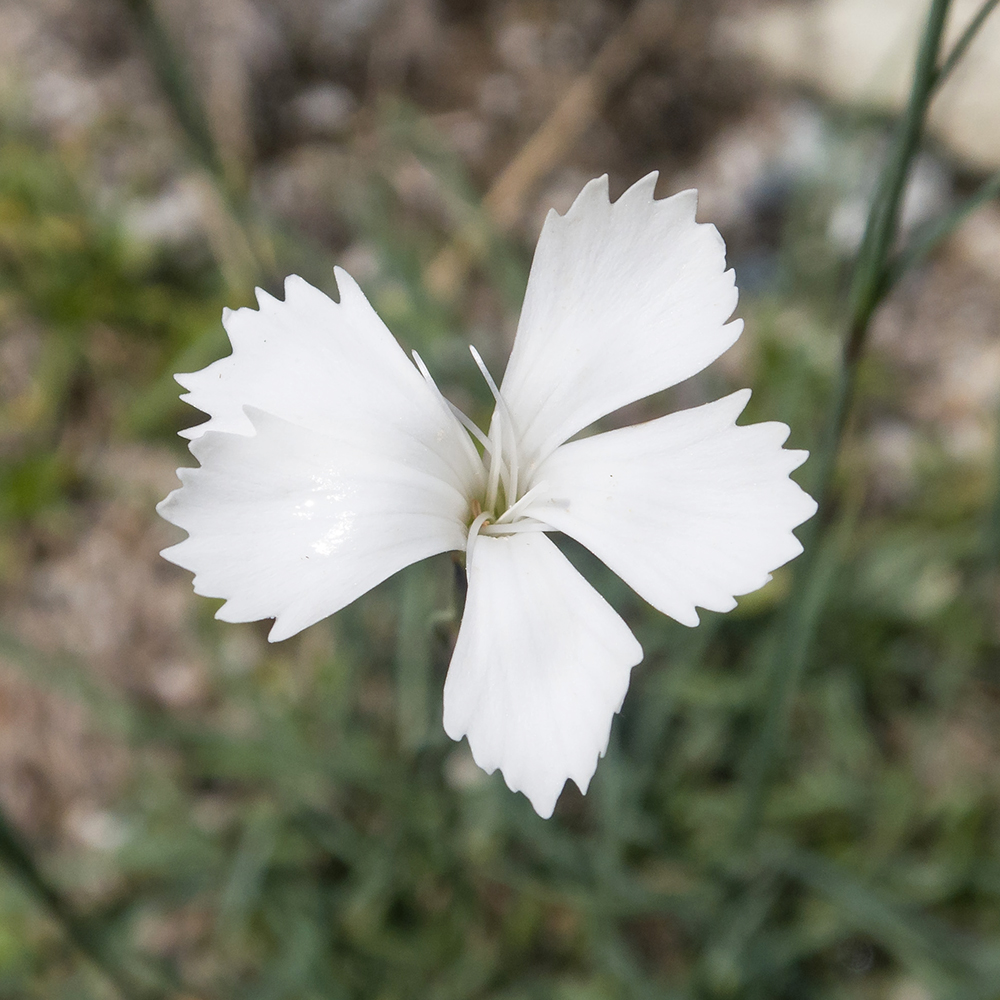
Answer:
(868, 284)
(958, 50)
(812, 572)
(931, 236)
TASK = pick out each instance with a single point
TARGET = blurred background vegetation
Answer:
(189, 812)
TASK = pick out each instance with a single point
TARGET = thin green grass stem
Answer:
(868, 284)
(812, 572)
(920, 942)
(959, 48)
(929, 238)
(793, 648)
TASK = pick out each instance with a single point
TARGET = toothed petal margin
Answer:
(334, 368)
(624, 299)
(689, 510)
(291, 524)
(540, 668)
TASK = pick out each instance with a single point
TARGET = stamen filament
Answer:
(510, 482)
(527, 524)
(477, 357)
(470, 449)
(528, 497)
(459, 415)
(474, 530)
(471, 427)
(496, 464)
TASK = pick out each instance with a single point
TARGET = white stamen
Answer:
(526, 524)
(473, 535)
(511, 482)
(461, 417)
(477, 357)
(528, 497)
(470, 426)
(496, 464)
(512, 488)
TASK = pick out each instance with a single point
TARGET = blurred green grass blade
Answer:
(414, 655)
(243, 887)
(682, 652)
(501, 259)
(178, 86)
(991, 524)
(732, 948)
(920, 942)
(70, 677)
(615, 957)
(335, 836)
(786, 669)
(250, 245)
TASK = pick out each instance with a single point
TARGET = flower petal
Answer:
(293, 524)
(623, 300)
(334, 368)
(328, 462)
(540, 668)
(688, 509)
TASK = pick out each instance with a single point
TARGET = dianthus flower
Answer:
(330, 462)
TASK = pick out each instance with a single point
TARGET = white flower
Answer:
(330, 462)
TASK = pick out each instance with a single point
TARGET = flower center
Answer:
(505, 484)
(504, 489)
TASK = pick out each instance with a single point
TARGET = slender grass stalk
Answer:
(868, 287)
(868, 284)
(958, 50)
(930, 237)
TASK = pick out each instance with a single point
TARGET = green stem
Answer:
(958, 50)
(811, 573)
(867, 286)
(930, 237)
